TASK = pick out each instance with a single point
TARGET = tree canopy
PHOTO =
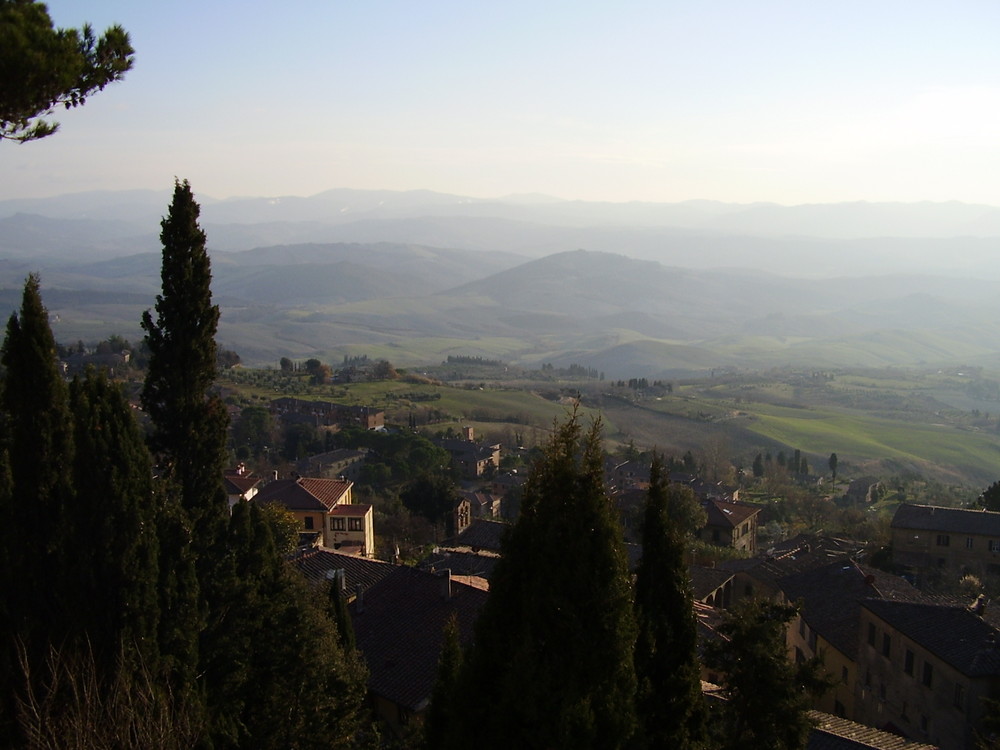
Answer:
(42, 67)
(552, 663)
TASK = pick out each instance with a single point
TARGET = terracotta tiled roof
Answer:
(833, 733)
(954, 634)
(304, 493)
(399, 629)
(956, 520)
(317, 564)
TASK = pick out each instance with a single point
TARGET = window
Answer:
(943, 540)
(715, 535)
(959, 698)
(355, 524)
(968, 542)
(994, 545)
(337, 524)
(309, 522)
(812, 640)
(925, 723)
(871, 634)
(886, 645)
(928, 678)
(844, 675)
(908, 663)
(802, 627)
(839, 710)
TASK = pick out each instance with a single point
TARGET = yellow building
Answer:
(324, 506)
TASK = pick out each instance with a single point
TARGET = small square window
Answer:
(943, 540)
(309, 522)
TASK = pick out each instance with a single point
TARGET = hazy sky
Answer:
(792, 102)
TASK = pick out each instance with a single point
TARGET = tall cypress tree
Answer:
(669, 700)
(767, 696)
(113, 523)
(189, 439)
(35, 496)
(188, 442)
(552, 663)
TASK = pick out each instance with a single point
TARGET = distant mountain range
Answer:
(659, 289)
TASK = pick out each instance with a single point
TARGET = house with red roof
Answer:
(325, 506)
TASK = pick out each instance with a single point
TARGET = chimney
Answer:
(446, 584)
(359, 601)
(469, 433)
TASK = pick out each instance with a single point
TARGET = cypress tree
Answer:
(670, 705)
(35, 496)
(189, 439)
(441, 712)
(338, 613)
(767, 696)
(188, 442)
(552, 663)
(113, 523)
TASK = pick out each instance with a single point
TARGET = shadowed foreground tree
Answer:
(35, 495)
(552, 662)
(767, 696)
(669, 701)
(269, 664)
(42, 67)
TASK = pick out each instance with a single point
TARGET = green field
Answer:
(878, 422)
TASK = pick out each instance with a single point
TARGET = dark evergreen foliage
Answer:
(38, 494)
(42, 67)
(441, 712)
(190, 421)
(767, 696)
(669, 702)
(552, 663)
(112, 528)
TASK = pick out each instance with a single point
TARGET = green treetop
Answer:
(670, 704)
(42, 67)
(189, 439)
(552, 662)
(767, 696)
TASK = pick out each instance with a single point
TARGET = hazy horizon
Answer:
(773, 102)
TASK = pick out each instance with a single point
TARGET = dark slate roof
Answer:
(482, 534)
(304, 493)
(723, 513)
(954, 520)
(238, 484)
(831, 598)
(705, 581)
(318, 564)
(399, 630)
(796, 555)
(954, 634)
(461, 561)
(833, 733)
